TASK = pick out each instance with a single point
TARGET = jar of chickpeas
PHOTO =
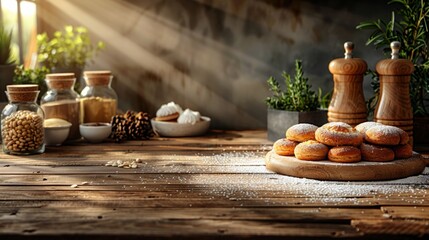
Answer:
(22, 121)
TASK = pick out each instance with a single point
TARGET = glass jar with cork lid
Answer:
(98, 99)
(61, 101)
(22, 121)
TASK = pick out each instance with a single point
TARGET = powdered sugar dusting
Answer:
(260, 185)
(302, 128)
(384, 130)
(363, 127)
(337, 125)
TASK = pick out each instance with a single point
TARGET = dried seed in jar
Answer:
(17, 126)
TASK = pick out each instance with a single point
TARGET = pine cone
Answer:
(131, 126)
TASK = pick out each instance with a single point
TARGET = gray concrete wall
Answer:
(214, 56)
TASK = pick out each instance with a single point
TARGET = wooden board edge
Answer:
(361, 171)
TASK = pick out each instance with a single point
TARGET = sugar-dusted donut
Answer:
(376, 153)
(301, 132)
(403, 151)
(362, 127)
(311, 150)
(338, 134)
(386, 135)
(344, 154)
(284, 147)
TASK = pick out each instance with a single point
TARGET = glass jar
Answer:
(22, 121)
(98, 100)
(61, 101)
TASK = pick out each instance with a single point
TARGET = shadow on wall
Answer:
(213, 56)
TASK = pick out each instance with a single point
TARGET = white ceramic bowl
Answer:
(56, 131)
(174, 129)
(55, 136)
(95, 132)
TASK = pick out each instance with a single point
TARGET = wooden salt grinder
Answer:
(394, 105)
(348, 102)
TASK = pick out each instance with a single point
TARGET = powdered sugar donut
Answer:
(301, 132)
(338, 134)
(284, 147)
(385, 135)
(374, 153)
(311, 150)
(344, 154)
(362, 127)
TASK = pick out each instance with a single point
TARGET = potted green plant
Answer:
(296, 104)
(31, 76)
(410, 26)
(69, 50)
(7, 63)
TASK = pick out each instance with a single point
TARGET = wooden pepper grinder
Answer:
(394, 105)
(348, 102)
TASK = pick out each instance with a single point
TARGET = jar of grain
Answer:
(98, 99)
(22, 121)
(61, 101)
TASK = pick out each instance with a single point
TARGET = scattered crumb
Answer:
(122, 164)
(74, 186)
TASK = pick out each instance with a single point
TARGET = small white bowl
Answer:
(95, 132)
(174, 129)
(56, 131)
(55, 136)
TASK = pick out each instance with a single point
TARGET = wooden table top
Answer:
(214, 186)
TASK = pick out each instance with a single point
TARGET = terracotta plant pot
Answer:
(278, 121)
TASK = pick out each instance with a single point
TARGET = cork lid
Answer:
(22, 87)
(60, 80)
(395, 66)
(57, 76)
(22, 92)
(97, 78)
(348, 65)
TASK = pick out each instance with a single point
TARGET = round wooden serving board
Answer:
(361, 171)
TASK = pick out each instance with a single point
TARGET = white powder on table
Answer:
(269, 187)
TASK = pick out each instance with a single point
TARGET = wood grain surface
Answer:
(210, 187)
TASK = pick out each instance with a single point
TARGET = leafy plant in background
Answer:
(71, 48)
(412, 31)
(5, 46)
(31, 76)
(297, 96)
(324, 100)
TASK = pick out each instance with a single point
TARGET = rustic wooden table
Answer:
(206, 187)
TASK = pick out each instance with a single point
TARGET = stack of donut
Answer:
(339, 142)
(384, 143)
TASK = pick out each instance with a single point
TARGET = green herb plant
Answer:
(5, 46)
(410, 26)
(71, 48)
(31, 76)
(297, 96)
